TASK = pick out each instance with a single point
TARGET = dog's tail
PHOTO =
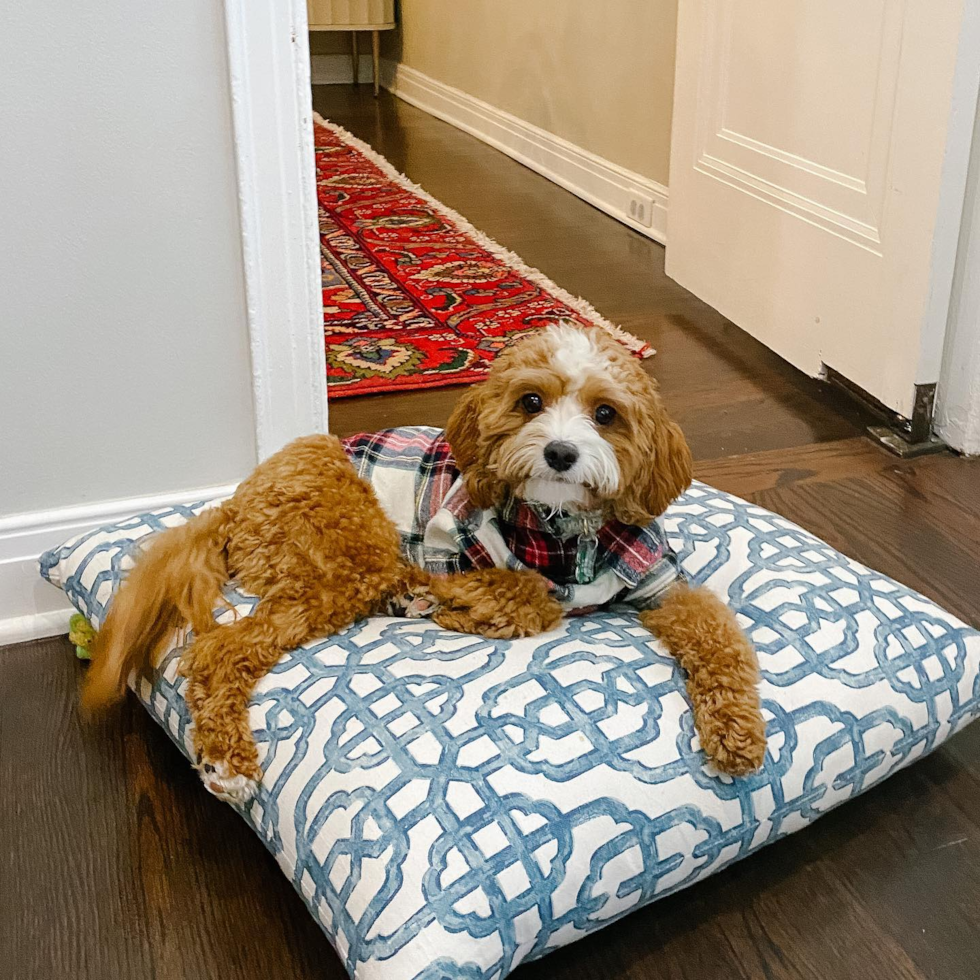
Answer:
(178, 580)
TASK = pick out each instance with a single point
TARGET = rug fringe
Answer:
(577, 303)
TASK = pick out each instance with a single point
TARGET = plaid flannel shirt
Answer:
(588, 563)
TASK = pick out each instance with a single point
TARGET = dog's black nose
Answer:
(560, 456)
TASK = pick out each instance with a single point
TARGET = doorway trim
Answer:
(272, 117)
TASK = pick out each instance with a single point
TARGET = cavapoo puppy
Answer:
(541, 497)
(561, 462)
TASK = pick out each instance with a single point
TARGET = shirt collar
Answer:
(527, 514)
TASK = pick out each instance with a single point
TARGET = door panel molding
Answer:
(818, 211)
(846, 204)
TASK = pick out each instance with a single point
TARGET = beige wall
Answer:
(599, 73)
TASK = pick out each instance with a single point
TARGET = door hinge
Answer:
(914, 436)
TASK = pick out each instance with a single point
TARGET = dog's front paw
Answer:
(538, 613)
(496, 603)
(221, 780)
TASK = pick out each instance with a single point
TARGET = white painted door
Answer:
(818, 160)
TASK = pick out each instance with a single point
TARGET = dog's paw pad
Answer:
(219, 780)
(421, 606)
(418, 603)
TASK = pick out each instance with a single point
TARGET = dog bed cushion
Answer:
(450, 806)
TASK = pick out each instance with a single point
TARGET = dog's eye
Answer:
(604, 414)
(532, 404)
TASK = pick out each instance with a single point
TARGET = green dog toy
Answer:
(82, 634)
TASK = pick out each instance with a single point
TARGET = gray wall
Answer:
(124, 364)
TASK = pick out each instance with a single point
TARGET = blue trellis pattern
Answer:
(433, 794)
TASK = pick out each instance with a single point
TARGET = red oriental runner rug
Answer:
(413, 295)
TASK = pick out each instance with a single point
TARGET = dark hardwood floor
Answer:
(114, 863)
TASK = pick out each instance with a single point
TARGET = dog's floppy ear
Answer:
(672, 468)
(663, 474)
(463, 433)
(463, 427)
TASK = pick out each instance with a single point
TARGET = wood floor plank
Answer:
(115, 862)
(68, 903)
(750, 473)
(948, 489)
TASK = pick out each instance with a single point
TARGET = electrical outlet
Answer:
(641, 210)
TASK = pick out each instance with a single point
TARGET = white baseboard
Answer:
(604, 184)
(336, 69)
(31, 608)
(35, 627)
